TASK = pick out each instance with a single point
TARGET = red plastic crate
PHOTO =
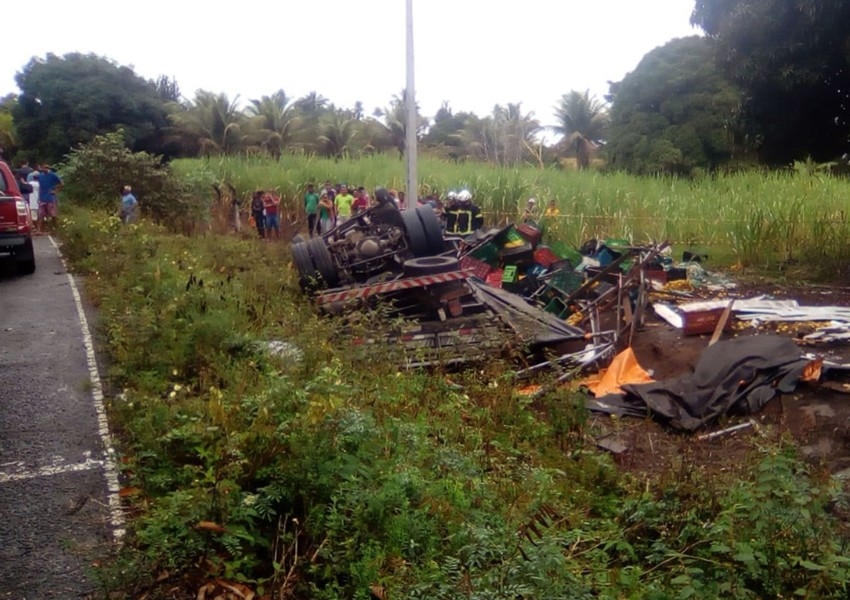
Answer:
(494, 278)
(479, 268)
(531, 233)
(545, 257)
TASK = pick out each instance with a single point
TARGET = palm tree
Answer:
(338, 131)
(479, 138)
(583, 121)
(214, 121)
(310, 109)
(515, 132)
(276, 120)
(395, 122)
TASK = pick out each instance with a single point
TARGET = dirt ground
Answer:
(814, 416)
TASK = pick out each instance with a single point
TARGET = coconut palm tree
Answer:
(276, 120)
(515, 132)
(338, 133)
(583, 121)
(214, 121)
(478, 137)
(394, 120)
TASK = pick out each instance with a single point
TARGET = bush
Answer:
(94, 174)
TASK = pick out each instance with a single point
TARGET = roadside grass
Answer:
(750, 220)
(258, 446)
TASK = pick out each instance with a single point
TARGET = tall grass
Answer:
(752, 219)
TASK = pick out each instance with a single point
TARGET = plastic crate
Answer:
(487, 252)
(510, 238)
(530, 233)
(545, 257)
(494, 278)
(510, 275)
(567, 252)
(566, 282)
(557, 307)
(479, 268)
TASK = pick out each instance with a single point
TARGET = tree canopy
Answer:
(792, 59)
(673, 113)
(69, 100)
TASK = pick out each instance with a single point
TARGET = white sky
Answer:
(471, 53)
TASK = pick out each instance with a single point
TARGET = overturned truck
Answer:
(449, 300)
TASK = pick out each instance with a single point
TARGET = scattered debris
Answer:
(449, 296)
(729, 430)
(736, 376)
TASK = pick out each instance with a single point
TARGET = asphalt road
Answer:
(57, 514)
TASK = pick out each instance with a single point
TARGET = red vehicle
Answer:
(15, 223)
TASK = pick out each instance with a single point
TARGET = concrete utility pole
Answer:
(410, 151)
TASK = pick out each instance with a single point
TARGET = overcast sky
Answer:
(471, 53)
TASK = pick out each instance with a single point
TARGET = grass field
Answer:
(752, 219)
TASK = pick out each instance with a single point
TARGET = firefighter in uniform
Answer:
(462, 216)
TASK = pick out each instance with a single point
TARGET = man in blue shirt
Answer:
(49, 183)
(129, 205)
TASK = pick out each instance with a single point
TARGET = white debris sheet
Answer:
(759, 310)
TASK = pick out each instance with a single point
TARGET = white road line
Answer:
(56, 469)
(109, 465)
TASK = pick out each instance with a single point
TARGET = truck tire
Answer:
(431, 228)
(324, 261)
(430, 265)
(25, 259)
(415, 233)
(308, 275)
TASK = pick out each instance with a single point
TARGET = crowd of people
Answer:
(40, 188)
(331, 205)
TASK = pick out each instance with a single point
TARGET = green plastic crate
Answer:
(489, 253)
(566, 251)
(557, 307)
(510, 274)
(566, 282)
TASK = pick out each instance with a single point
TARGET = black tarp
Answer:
(737, 376)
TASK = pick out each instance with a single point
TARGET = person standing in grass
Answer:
(271, 204)
(129, 205)
(361, 201)
(311, 207)
(258, 213)
(327, 212)
(344, 200)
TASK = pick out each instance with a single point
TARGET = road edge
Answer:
(110, 471)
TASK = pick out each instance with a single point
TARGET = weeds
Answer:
(304, 469)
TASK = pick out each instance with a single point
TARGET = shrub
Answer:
(94, 174)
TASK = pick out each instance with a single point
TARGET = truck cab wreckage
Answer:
(451, 300)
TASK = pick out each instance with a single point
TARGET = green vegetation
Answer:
(750, 219)
(259, 446)
(311, 472)
(767, 83)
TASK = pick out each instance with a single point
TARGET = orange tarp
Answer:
(624, 369)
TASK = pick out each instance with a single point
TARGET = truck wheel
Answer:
(304, 264)
(26, 259)
(415, 233)
(324, 261)
(431, 228)
(430, 265)
(298, 239)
